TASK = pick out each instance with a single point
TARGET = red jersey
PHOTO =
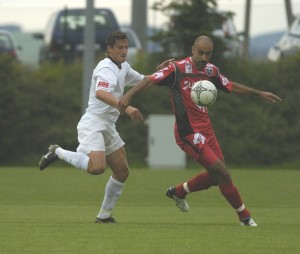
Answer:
(180, 76)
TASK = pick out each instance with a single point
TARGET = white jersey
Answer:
(107, 76)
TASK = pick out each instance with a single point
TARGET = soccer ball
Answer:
(204, 93)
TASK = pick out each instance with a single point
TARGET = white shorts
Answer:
(96, 134)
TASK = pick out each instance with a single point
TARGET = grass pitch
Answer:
(54, 212)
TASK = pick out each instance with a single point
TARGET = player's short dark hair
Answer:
(114, 36)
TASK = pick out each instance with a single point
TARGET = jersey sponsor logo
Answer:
(224, 80)
(209, 71)
(188, 68)
(187, 84)
(103, 84)
(198, 138)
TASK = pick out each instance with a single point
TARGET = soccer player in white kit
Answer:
(99, 141)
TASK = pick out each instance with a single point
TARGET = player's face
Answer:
(119, 51)
(202, 52)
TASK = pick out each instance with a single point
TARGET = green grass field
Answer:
(54, 212)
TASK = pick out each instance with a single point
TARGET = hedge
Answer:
(43, 106)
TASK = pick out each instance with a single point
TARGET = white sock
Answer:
(77, 159)
(240, 209)
(186, 188)
(113, 191)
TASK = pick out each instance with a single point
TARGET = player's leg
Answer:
(55, 152)
(116, 159)
(114, 187)
(220, 174)
(192, 146)
(203, 180)
(94, 162)
(217, 173)
(90, 154)
(205, 152)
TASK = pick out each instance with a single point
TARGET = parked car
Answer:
(259, 45)
(8, 45)
(134, 46)
(64, 33)
(227, 31)
(289, 43)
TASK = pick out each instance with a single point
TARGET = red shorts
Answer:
(205, 150)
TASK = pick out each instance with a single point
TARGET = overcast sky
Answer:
(32, 15)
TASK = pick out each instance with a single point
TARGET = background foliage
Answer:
(42, 107)
(187, 20)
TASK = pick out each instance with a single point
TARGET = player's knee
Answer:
(224, 176)
(219, 173)
(126, 174)
(122, 174)
(96, 170)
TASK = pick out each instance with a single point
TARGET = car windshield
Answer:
(295, 28)
(5, 43)
(131, 41)
(76, 21)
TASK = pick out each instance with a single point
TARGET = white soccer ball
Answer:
(204, 93)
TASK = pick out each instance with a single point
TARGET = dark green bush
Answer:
(254, 131)
(43, 106)
(38, 108)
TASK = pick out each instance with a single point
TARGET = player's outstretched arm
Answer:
(242, 89)
(126, 98)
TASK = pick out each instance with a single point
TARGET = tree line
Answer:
(43, 106)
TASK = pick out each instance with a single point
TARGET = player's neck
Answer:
(115, 62)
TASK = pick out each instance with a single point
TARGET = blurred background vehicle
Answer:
(134, 46)
(260, 44)
(8, 45)
(226, 30)
(289, 43)
(64, 33)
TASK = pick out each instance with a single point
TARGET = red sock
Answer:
(199, 182)
(230, 192)
(243, 214)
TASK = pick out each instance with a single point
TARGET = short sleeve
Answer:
(133, 77)
(221, 82)
(106, 80)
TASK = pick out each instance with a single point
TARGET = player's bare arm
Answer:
(242, 89)
(109, 99)
(125, 99)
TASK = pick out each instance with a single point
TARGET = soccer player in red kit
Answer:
(193, 129)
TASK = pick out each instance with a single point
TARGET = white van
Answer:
(288, 44)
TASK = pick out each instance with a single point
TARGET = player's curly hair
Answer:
(114, 36)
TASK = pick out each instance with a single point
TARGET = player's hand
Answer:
(135, 115)
(123, 103)
(165, 63)
(270, 96)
